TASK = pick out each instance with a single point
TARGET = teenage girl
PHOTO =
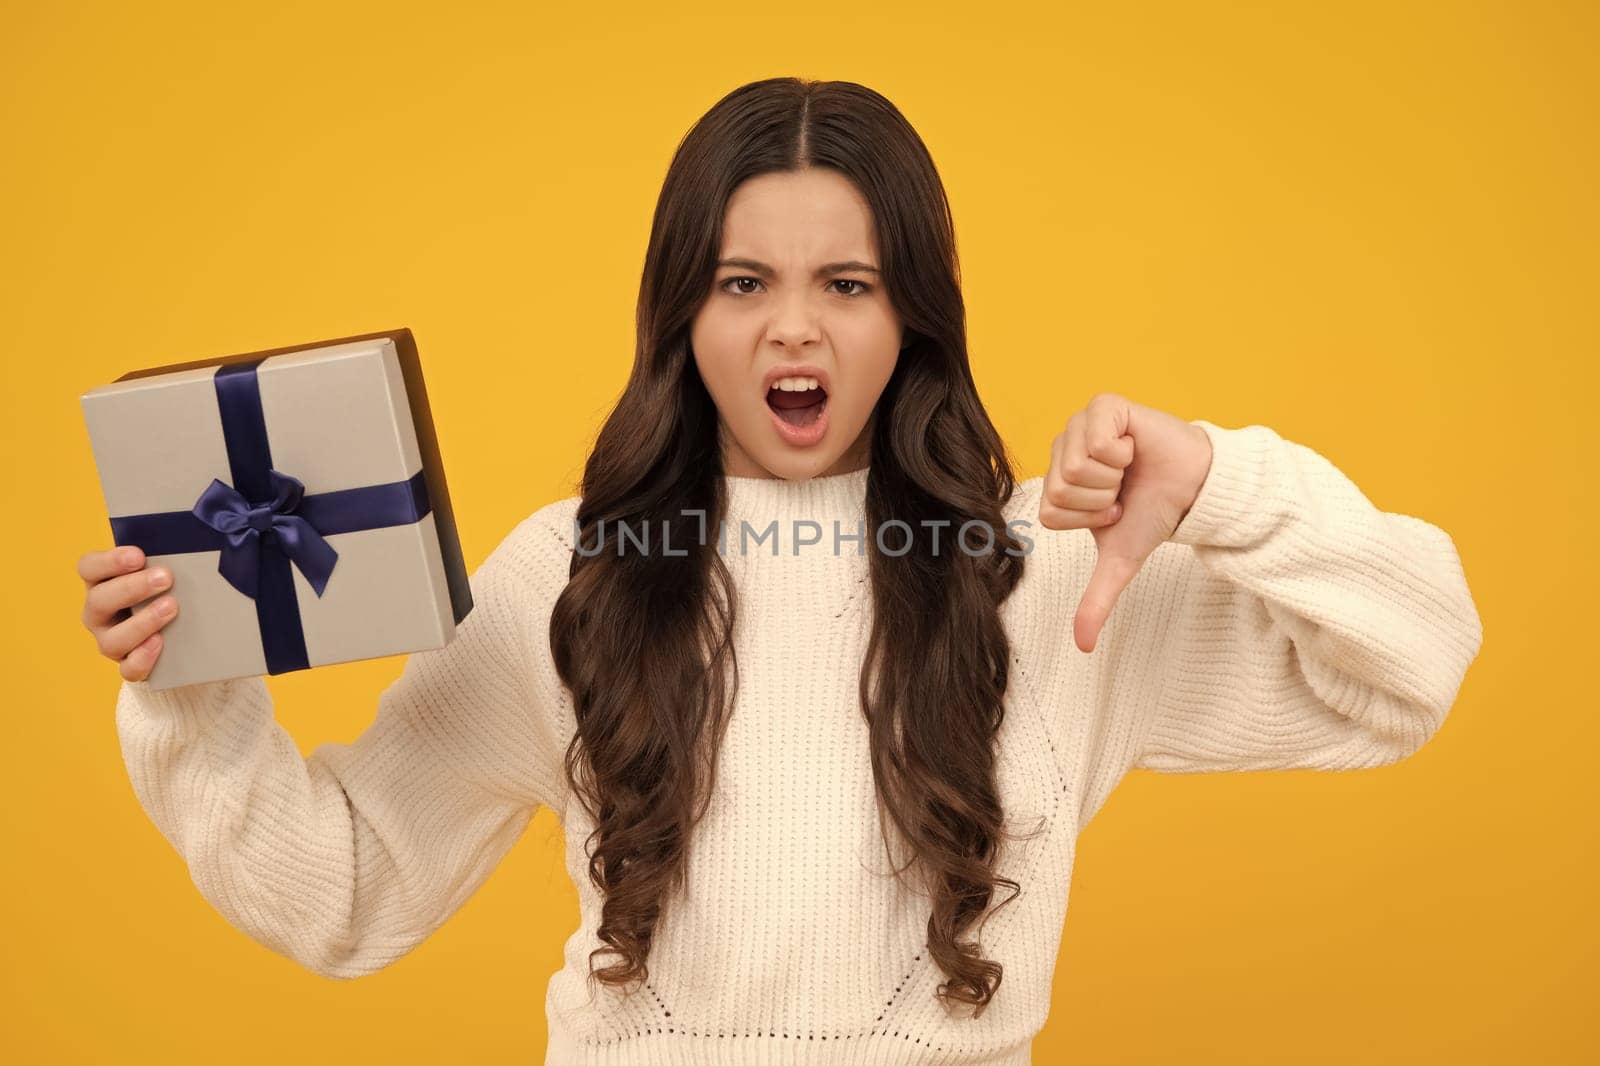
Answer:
(820, 693)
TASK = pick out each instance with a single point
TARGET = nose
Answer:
(795, 322)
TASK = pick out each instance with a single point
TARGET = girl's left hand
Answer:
(1129, 474)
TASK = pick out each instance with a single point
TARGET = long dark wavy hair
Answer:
(645, 752)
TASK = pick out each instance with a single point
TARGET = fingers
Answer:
(105, 603)
(97, 566)
(121, 638)
(132, 638)
(1079, 491)
(137, 664)
(1053, 517)
(1108, 430)
(135, 643)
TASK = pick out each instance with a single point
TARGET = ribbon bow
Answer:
(243, 524)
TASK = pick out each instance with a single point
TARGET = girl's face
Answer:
(797, 302)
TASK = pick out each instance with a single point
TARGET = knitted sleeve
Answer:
(346, 859)
(1311, 630)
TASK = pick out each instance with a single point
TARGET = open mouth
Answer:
(797, 401)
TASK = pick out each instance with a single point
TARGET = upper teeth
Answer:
(796, 384)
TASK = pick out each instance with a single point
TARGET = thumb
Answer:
(1112, 573)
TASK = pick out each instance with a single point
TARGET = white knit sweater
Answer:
(1287, 624)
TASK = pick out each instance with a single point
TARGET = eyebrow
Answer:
(825, 270)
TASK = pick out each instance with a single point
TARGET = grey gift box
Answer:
(348, 419)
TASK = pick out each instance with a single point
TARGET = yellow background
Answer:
(1371, 226)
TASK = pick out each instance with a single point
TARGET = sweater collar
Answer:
(759, 502)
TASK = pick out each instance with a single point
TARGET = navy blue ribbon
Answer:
(264, 521)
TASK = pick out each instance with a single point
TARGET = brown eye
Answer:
(861, 288)
(734, 281)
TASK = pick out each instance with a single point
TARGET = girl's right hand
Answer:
(112, 586)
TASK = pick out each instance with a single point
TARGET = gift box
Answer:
(297, 497)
